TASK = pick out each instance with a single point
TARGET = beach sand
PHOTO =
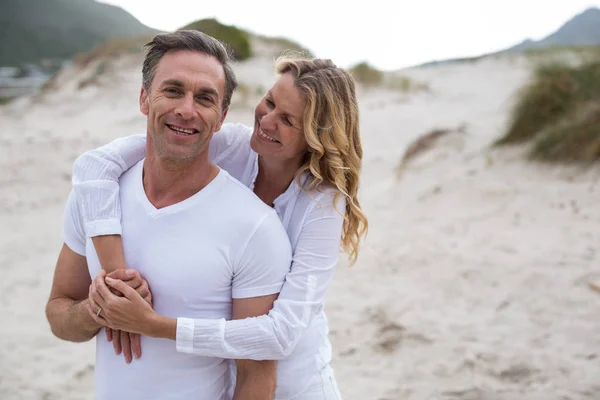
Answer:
(476, 281)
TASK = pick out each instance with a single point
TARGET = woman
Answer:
(303, 157)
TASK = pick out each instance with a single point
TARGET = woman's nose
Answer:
(267, 121)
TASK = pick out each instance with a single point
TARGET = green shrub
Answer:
(287, 45)
(559, 113)
(575, 140)
(406, 84)
(238, 40)
(366, 74)
(5, 100)
(554, 93)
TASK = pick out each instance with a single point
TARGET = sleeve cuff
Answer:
(184, 339)
(206, 333)
(103, 227)
(256, 291)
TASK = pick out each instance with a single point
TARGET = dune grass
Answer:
(406, 84)
(369, 76)
(366, 74)
(237, 39)
(574, 53)
(5, 100)
(558, 113)
(576, 140)
(287, 46)
(113, 48)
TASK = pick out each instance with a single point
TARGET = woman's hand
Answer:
(130, 313)
(128, 343)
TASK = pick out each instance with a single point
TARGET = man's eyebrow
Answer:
(179, 84)
(172, 82)
(208, 90)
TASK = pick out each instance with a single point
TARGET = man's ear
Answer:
(144, 106)
(222, 119)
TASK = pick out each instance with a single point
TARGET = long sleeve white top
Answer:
(295, 330)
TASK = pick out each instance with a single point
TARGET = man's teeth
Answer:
(182, 130)
(262, 134)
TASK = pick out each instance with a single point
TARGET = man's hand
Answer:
(134, 280)
(128, 343)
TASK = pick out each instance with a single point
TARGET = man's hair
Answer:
(193, 41)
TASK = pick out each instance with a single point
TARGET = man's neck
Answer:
(167, 181)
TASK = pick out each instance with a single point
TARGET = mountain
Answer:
(32, 30)
(581, 30)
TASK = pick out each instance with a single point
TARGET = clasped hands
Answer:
(121, 302)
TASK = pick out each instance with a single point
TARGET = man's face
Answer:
(183, 105)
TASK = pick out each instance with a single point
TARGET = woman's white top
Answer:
(295, 331)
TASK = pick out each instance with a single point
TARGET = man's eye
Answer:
(270, 102)
(172, 91)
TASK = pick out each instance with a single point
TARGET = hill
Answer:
(33, 30)
(581, 30)
(579, 33)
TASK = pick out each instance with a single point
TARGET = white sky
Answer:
(388, 34)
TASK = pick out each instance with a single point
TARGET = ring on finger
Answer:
(98, 312)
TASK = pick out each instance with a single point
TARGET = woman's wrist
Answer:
(162, 327)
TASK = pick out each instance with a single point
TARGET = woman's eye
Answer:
(270, 103)
(287, 122)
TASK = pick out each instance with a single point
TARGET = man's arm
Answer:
(67, 306)
(258, 277)
(256, 380)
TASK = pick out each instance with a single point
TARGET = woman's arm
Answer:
(275, 335)
(96, 175)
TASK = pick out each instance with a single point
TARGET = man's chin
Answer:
(179, 152)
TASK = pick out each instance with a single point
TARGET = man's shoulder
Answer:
(241, 198)
(129, 177)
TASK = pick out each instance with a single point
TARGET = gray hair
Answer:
(194, 41)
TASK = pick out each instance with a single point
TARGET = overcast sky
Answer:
(389, 38)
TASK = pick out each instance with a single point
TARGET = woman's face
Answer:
(278, 130)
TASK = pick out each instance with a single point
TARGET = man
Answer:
(208, 247)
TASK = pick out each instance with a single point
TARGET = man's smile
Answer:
(182, 131)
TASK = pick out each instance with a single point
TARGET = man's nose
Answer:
(186, 107)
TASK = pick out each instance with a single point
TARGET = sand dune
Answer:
(476, 280)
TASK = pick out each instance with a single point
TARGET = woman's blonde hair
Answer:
(331, 129)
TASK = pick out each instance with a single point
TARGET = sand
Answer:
(476, 280)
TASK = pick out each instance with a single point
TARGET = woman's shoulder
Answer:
(321, 196)
(232, 132)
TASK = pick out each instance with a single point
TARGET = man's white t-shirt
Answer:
(198, 254)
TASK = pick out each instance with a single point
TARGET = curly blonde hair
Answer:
(331, 129)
